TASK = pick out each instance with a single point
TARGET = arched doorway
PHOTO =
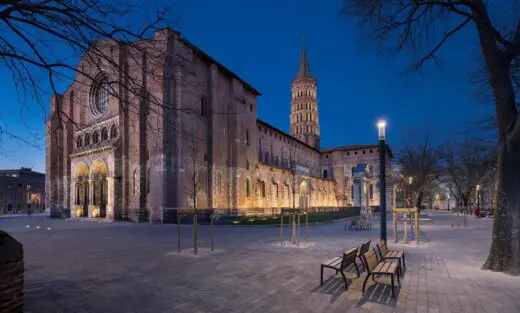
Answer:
(99, 173)
(82, 190)
(304, 195)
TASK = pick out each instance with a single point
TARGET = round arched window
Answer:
(113, 131)
(99, 95)
(104, 134)
(79, 142)
(95, 137)
(87, 139)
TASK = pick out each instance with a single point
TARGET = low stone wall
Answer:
(11, 274)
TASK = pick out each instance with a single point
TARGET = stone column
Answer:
(72, 192)
(110, 198)
(90, 197)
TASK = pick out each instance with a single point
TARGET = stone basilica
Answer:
(120, 155)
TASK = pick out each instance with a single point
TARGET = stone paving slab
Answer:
(120, 267)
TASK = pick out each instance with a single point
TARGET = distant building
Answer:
(21, 190)
(108, 162)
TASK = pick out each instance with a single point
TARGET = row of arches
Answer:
(306, 93)
(91, 188)
(302, 106)
(307, 117)
(306, 128)
(97, 136)
(303, 187)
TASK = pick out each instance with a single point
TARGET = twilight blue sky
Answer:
(260, 41)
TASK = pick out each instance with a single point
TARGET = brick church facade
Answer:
(190, 137)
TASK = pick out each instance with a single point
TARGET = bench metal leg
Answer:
(321, 276)
(398, 280)
(365, 282)
(393, 291)
(357, 269)
(344, 279)
(404, 264)
(361, 262)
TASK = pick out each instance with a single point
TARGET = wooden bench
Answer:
(362, 250)
(383, 268)
(390, 254)
(358, 225)
(339, 264)
(351, 225)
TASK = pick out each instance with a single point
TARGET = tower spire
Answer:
(305, 122)
(304, 69)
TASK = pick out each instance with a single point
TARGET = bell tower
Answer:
(305, 123)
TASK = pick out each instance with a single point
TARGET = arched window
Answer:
(262, 188)
(202, 180)
(275, 185)
(248, 188)
(325, 174)
(99, 94)
(79, 142)
(114, 132)
(266, 157)
(352, 193)
(371, 191)
(135, 181)
(219, 183)
(104, 134)
(203, 106)
(95, 137)
(87, 139)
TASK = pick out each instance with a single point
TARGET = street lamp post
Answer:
(410, 182)
(381, 125)
(478, 199)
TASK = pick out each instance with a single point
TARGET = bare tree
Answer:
(295, 179)
(194, 168)
(464, 166)
(418, 170)
(41, 41)
(424, 26)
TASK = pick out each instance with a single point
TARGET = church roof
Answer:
(355, 147)
(304, 70)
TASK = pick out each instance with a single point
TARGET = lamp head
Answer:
(381, 126)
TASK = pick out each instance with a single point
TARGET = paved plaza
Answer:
(86, 266)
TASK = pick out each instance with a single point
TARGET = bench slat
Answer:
(386, 268)
(333, 262)
(395, 254)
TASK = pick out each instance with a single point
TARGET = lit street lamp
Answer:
(381, 125)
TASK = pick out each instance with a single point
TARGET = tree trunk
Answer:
(504, 255)
(419, 201)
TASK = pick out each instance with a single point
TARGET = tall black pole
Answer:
(382, 187)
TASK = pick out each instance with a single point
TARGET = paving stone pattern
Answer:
(121, 267)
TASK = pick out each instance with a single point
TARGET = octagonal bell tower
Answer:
(305, 123)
